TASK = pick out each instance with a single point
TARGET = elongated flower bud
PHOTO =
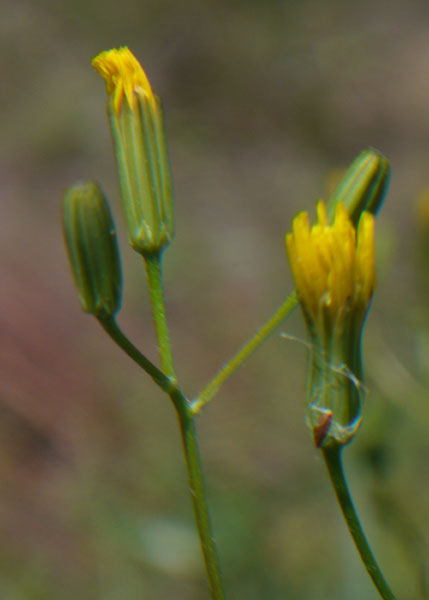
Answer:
(140, 145)
(363, 186)
(90, 238)
(333, 269)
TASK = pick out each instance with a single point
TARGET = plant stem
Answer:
(245, 351)
(154, 279)
(187, 429)
(197, 490)
(111, 327)
(333, 461)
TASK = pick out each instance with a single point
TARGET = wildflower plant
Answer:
(332, 264)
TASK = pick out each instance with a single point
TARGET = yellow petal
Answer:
(332, 266)
(124, 76)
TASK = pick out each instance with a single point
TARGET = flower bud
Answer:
(363, 186)
(140, 145)
(92, 248)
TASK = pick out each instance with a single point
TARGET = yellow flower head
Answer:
(124, 76)
(332, 264)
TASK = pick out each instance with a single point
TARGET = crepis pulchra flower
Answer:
(332, 264)
(140, 145)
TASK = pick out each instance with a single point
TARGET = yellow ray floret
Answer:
(124, 76)
(332, 264)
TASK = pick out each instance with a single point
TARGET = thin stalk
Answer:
(156, 293)
(111, 327)
(187, 429)
(333, 461)
(198, 495)
(245, 351)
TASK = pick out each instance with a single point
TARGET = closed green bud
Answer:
(140, 145)
(92, 248)
(363, 186)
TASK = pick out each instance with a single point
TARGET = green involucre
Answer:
(335, 391)
(144, 174)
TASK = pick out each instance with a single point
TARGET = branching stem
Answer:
(187, 429)
(245, 351)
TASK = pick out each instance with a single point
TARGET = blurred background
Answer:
(265, 102)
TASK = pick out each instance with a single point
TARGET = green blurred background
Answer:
(264, 102)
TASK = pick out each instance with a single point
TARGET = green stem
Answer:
(198, 495)
(154, 279)
(111, 327)
(333, 461)
(187, 429)
(245, 351)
